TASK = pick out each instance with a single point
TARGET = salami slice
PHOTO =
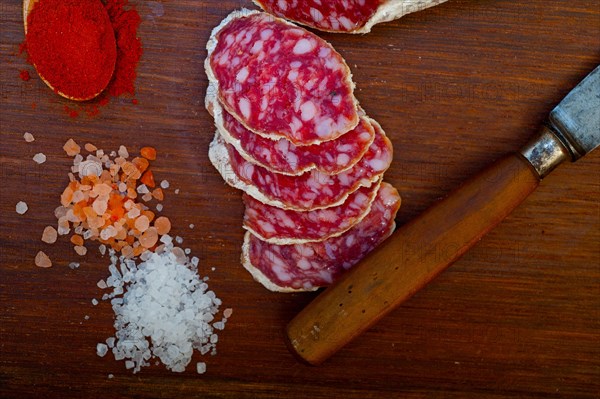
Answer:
(280, 80)
(346, 16)
(282, 156)
(280, 226)
(306, 267)
(312, 190)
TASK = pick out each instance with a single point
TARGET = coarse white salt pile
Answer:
(163, 309)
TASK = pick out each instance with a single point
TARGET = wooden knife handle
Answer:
(413, 256)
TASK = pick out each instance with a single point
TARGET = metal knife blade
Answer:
(576, 120)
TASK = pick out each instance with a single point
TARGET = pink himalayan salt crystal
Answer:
(80, 249)
(142, 223)
(42, 260)
(28, 137)
(89, 147)
(71, 148)
(163, 225)
(49, 235)
(149, 238)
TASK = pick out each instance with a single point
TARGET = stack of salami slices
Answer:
(291, 136)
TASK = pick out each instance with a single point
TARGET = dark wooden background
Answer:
(455, 87)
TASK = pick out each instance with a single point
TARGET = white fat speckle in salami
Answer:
(309, 110)
(242, 75)
(303, 46)
(244, 106)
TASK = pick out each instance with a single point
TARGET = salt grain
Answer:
(142, 189)
(110, 376)
(164, 184)
(176, 191)
(49, 235)
(94, 302)
(159, 207)
(74, 265)
(192, 226)
(28, 137)
(39, 158)
(21, 207)
(123, 153)
(42, 260)
(201, 368)
(71, 148)
(101, 350)
(89, 147)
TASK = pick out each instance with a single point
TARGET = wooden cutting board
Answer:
(455, 87)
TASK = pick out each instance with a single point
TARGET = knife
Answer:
(418, 251)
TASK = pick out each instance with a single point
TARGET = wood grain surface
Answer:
(455, 87)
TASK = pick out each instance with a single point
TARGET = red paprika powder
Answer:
(124, 21)
(72, 45)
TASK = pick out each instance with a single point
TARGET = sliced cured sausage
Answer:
(305, 267)
(280, 80)
(280, 226)
(347, 16)
(282, 156)
(312, 190)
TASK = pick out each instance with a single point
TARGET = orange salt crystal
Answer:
(131, 193)
(149, 238)
(106, 177)
(100, 205)
(148, 179)
(71, 148)
(140, 163)
(158, 194)
(76, 239)
(127, 251)
(95, 222)
(138, 250)
(89, 147)
(89, 212)
(149, 214)
(101, 189)
(121, 233)
(131, 171)
(146, 197)
(78, 210)
(163, 225)
(142, 223)
(49, 235)
(67, 196)
(42, 260)
(148, 153)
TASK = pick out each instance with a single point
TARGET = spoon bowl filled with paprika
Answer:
(71, 44)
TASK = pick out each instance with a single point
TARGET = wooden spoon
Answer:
(28, 6)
